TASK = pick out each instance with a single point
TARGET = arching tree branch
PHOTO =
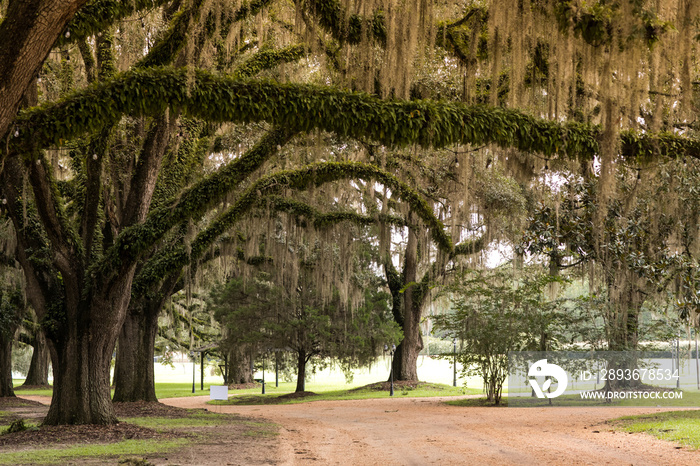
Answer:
(273, 184)
(304, 107)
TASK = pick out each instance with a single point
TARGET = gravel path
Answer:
(417, 431)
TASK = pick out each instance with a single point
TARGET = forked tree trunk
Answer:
(134, 378)
(39, 367)
(81, 352)
(301, 371)
(6, 366)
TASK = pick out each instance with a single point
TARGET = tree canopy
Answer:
(150, 131)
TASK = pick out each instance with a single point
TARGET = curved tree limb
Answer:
(138, 239)
(302, 107)
(272, 185)
(305, 107)
(27, 34)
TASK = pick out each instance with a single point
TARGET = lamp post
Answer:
(454, 362)
(678, 360)
(194, 368)
(263, 377)
(391, 372)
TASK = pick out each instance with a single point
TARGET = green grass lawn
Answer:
(163, 390)
(677, 426)
(165, 423)
(61, 455)
(331, 392)
(197, 426)
(19, 391)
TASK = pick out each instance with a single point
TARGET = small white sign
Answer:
(218, 392)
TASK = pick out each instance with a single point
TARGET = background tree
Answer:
(496, 312)
(12, 309)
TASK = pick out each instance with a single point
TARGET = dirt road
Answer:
(417, 431)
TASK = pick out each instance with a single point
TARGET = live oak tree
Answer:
(647, 253)
(320, 309)
(580, 67)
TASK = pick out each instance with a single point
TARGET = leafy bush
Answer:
(494, 313)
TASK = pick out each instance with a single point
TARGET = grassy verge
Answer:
(163, 390)
(175, 431)
(164, 423)
(677, 426)
(286, 396)
(690, 398)
(61, 455)
(324, 391)
(19, 390)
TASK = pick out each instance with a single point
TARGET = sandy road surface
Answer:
(417, 431)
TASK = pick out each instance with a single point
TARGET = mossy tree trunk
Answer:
(410, 295)
(81, 353)
(82, 311)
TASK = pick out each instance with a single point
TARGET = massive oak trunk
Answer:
(405, 362)
(82, 309)
(39, 367)
(6, 365)
(134, 378)
(81, 352)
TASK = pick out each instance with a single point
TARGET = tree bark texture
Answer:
(6, 365)
(239, 370)
(405, 362)
(134, 378)
(301, 370)
(81, 352)
(39, 367)
(27, 34)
